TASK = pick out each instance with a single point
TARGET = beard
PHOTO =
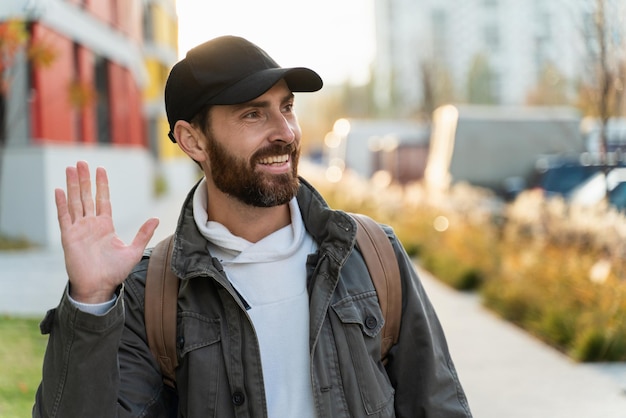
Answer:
(238, 177)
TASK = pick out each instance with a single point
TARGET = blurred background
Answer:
(499, 94)
(488, 133)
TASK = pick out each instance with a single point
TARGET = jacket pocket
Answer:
(200, 375)
(362, 321)
(197, 331)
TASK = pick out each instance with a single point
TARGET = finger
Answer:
(84, 181)
(145, 233)
(75, 206)
(62, 211)
(103, 201)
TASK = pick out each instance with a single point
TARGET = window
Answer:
(103, 112)
(148, 23)
(78, 114)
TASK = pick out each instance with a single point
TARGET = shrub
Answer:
(553, 269)
(13, 243)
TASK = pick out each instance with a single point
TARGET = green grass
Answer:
(22, 349)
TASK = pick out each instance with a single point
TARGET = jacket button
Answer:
(238, 398)
(180, 342)
(371, 322)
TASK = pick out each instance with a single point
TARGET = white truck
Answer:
(497, 147)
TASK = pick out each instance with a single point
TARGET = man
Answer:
(273, 299)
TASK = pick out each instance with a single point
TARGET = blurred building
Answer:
(99, 98)
(426, 46)
(160, 50)
(390, 149)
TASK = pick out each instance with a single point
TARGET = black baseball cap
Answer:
(224, 71)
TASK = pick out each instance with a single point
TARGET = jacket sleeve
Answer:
(419, 365)
(100, 365)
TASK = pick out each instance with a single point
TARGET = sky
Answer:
(333, 37)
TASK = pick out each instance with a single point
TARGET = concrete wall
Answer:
(30, 175)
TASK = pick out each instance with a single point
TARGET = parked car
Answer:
(563, 180)
(582, 181)
(617, 197)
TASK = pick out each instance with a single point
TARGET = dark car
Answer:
(582, 182)
(564, 179)
(617, 197)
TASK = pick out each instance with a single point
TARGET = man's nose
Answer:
(283, 129)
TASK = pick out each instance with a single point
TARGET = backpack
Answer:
(161, 295)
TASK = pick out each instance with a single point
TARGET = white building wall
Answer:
(465, 41)
(529, 34)
(515, 59)
(411, 50)
(30, 175)
(383, 62)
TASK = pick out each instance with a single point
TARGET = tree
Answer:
(15, 40)
(13, 37)
(550, 90)
(480, 82)
(601, 92)
(437, 86)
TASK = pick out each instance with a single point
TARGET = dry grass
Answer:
(555, 270)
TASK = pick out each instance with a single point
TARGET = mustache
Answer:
(275, 149)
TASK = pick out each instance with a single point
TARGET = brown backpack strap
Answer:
(161, 301)
(382, 264)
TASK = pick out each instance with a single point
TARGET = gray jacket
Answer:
(102, 367)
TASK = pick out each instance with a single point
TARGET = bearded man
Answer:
(276, 314)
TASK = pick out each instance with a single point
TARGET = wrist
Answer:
(98, 309)
(91, 297)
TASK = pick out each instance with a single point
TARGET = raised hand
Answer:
(96, 259)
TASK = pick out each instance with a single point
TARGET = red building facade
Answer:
(86, 95)
(85, 100)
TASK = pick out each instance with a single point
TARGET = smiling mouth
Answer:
(275, 160)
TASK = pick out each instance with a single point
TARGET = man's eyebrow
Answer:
(262, 103)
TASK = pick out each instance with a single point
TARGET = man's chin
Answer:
(276, 194)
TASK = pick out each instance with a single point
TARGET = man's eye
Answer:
(251, 115)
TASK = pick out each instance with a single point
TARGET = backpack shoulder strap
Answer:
(382, 264)
(161, 300)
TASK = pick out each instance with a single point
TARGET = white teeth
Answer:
(278, 159)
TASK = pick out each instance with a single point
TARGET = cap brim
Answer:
(299, 79)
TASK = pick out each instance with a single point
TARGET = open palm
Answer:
(96, 259)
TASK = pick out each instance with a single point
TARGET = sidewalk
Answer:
(33, 281)
(505, 372)
(508, 374)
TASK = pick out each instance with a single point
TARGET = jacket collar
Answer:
(334, 231)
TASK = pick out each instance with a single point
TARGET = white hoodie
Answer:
(271, 276)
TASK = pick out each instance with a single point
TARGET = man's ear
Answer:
(190, 140)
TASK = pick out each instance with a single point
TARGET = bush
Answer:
(553, 269)
(599, 345)
(11, 243)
